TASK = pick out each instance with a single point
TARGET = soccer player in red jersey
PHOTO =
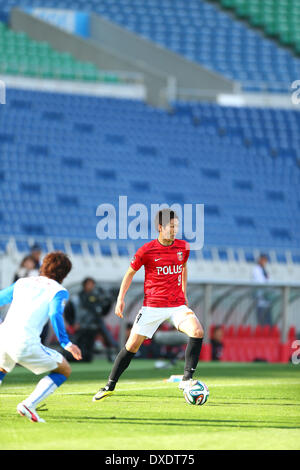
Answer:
(164, 260)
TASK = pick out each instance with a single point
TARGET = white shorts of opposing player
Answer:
(33, 356)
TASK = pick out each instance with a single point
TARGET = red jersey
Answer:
(163, 272)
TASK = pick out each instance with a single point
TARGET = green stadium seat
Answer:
(228, 3)
(21, 55)
(277, 18)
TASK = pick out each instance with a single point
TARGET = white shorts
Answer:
(149, 319)
(35, 357)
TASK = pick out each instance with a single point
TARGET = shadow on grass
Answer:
(179, 422)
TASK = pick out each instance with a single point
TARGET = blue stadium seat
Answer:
(199, 31)
(247, 176)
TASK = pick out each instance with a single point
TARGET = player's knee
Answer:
(64, 369)
(198, 332)
(68, 370)
(134, 342)
(133, 347)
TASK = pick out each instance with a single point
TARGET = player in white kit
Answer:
(33, 301)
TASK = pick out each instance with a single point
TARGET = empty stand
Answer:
(277, 18)
(20, 55)
(63, 155)
(198, 30)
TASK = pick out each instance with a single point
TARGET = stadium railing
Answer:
(17, 245)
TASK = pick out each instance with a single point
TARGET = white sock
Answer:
(44, 388)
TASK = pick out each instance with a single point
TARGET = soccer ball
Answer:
(197, 394)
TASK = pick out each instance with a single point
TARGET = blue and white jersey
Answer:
(33, 301)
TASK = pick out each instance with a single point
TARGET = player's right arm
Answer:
(136, 262)
(125, 284)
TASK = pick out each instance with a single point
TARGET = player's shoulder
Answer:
(58, 288)
(147, 246)
(57, 291)
(183, 244)
(43, 282)
(25, 281)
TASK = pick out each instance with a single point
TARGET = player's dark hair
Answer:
(56, 265)
(164, 217)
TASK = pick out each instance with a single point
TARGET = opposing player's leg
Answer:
(191, 326)
(39, 360)
(45, 387)
(121, 363)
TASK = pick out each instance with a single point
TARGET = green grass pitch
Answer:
(251, 406)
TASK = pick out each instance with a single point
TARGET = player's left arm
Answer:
(56, 309)
(6, 295)
(185, 271)
(184, 281)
